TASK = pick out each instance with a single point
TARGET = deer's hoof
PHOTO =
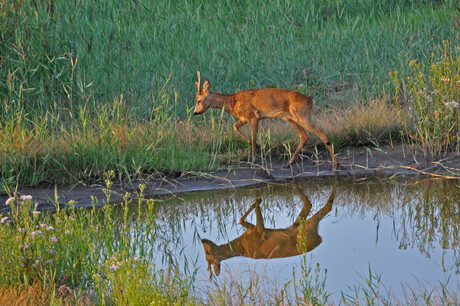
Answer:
(337, 167)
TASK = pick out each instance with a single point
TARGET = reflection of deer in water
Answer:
(260, 242)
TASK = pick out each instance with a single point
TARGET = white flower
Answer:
(36, 233)
(114, 267)
(25, 246)
(26, 197)
(452, 104)
(54, 239)
(4, 219)
(9, 201)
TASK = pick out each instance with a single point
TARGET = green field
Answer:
(87, 87)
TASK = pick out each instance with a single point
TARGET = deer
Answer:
(252, 105)
(260, 242)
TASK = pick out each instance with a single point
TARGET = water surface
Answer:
(404, 232)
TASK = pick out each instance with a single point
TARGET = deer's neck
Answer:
(222, 101)
(229, 250)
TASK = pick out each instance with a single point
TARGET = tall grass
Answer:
(93, 255)
(81, 150)
(93, 86)
(56, 55)
(432, 95)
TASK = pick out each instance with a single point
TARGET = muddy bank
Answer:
(385, 161)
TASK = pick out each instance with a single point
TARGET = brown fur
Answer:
(253, 105)
(260, 242)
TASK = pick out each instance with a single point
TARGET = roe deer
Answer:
(260, 242)
(253, 105)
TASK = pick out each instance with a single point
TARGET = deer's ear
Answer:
(206, 85)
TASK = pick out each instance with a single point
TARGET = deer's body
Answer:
(262, 103)
(253, 105)
(260, 242)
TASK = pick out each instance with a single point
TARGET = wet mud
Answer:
(354, 162)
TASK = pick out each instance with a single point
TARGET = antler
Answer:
(198, 84)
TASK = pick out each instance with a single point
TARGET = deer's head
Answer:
(202, 102)
(210, 249)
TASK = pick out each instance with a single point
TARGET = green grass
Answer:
(89, 87)
(91, 256)
(433, 100)
(56, 55)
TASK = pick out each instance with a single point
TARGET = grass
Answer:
(80, 152)
(90, 87)
(78, 255)
(65, 54)
(433, 97)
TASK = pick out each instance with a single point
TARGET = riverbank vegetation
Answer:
(90, 87)
(78, 256)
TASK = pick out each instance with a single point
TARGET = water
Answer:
(400, 234)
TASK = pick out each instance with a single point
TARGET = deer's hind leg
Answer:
(303, 139)
(306, 206)
(308, 124)
(255, 206)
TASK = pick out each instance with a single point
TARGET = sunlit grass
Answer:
(82, 150)
(431, 96)
(56, 55)
(88, 88)
(97, 254)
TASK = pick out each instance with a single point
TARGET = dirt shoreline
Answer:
(385, 161)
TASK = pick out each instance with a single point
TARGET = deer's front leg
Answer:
(237, 126)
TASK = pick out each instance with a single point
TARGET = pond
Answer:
(341, 236)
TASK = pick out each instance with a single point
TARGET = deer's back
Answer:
(271, 243)
(270, 102)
